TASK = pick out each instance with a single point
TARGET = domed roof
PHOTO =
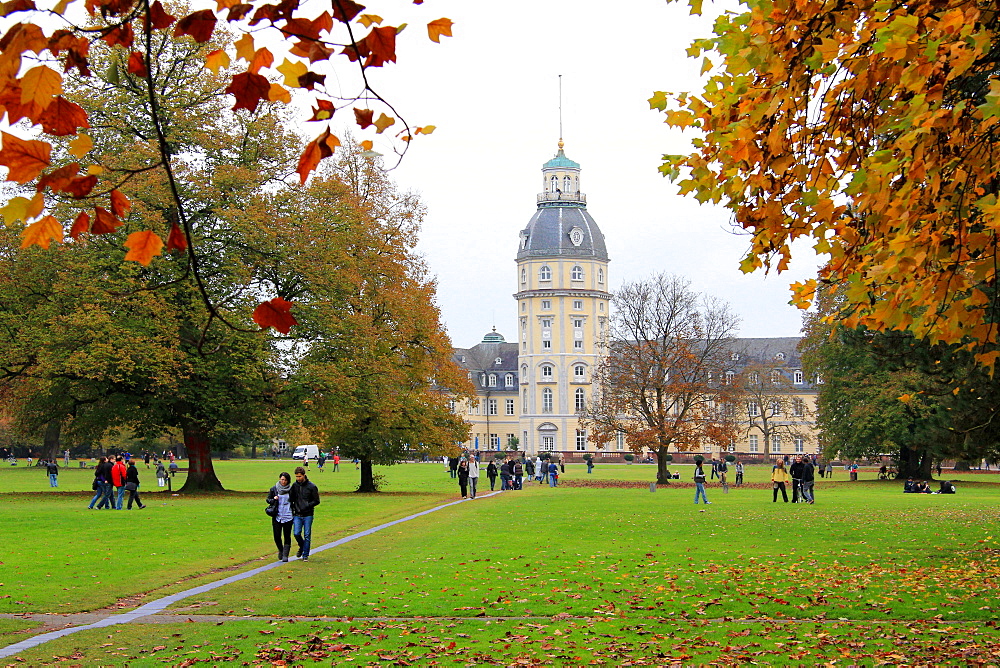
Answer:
(493, 337)
(560, 161)
(562, 226)
(555, 230)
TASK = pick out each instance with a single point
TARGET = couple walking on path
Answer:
(290, 507)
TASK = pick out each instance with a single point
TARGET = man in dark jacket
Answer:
(808, 480)
(796, 472)
(303, 497)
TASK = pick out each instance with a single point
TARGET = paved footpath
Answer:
(159, 605)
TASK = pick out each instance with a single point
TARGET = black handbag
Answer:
(271, 510)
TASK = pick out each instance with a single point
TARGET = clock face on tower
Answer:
(576, 236)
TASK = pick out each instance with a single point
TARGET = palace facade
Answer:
(530, 391)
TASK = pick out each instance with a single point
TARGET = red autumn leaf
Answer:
(136, 65)
(199, 25)
(310, 79)
(80, 225)
(105, 222)
(62, 118)
(120, 205)
(379, 45)
(176, 239)
(311, 49)
(143, 247)
(323, 111)
(365, 117)
(24, 158)
(316, 150)
(81, 186)
(346, 10)
(120, 35)
(10, 102)
(249, 89)
(275, 313)
(58, 179)
(306, 29)
(237, 12)
(158, 17)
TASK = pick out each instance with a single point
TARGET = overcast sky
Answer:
(492, 92)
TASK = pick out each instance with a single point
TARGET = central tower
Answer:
(563, 302)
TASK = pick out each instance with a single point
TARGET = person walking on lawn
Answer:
(132, 485)
(473, 476)
(491, 473)
(779, 478)
(118, 475)
(304, 498)
(281, 521)
(463, 477)
(699, 483)
(53, 470)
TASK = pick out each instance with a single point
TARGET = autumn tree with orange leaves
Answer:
(662, 381)
(871, 128)
(311, 42)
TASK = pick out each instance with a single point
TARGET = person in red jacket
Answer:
(118, 474)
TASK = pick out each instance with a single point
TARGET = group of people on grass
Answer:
(115, 475)
(912, 486)
(290, 505)
(511, 472)
(801, 474)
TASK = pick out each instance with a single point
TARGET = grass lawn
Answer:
(568, 575)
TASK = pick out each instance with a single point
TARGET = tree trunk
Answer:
(201, 474)
(661, 466)
(253, 450)
(50, 441)
(914, 464)
(367, 477)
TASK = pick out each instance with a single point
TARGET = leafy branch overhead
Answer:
(872, 129)
(280, 47)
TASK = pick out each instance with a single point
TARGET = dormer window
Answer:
(493, 380)
(508, 380)
(779, 356)
(498, 361)
(735, 357)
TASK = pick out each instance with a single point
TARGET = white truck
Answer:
(306, 452)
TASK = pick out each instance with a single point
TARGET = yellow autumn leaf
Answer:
(279, 93)
(217, 60)
(245, 48)
(292, 72)
(39, 85)
(367, 144)
(42, 233)
(439, 27)
(23, 209)
(368, 19)
(226, 4)
(80, 146)
(383, 122)
(425, 130)
(95, 170)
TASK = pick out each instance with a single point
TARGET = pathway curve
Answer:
(159, 605)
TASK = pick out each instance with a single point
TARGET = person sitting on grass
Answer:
(947, 487)
(909, 487)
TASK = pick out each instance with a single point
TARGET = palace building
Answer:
(530, 391)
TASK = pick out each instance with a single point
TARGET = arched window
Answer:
(567, 184)
(524, 275)
(554, 184)
(482, 379)
(508, 380)
(547, 372)
(579, 372)
(498, 361)
(577, 273)
(544, 273)
(580, 399)
(547, 400)
(600, 276)
(493, 380)
(524, 373)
